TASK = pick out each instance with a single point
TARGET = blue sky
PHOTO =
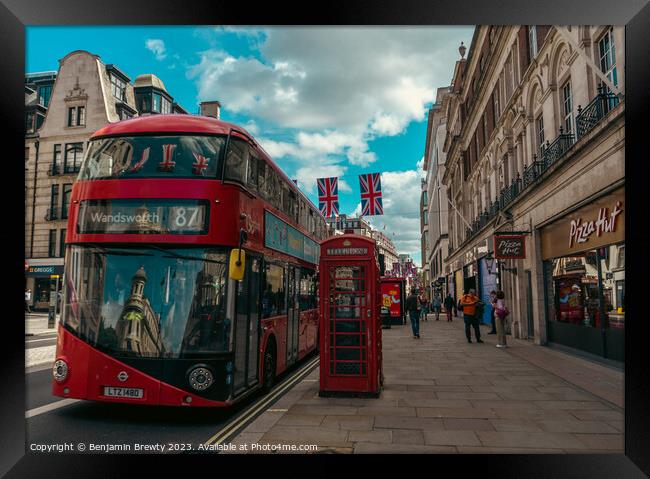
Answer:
(323, 101)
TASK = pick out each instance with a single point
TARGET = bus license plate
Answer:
(115, 392)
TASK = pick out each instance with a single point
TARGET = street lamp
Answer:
(490, 261)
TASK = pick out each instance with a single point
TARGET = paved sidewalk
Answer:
(443, 395)
(37, 356)
(36, 323)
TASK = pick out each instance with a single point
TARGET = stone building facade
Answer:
(435, 206)
(84, 95)
(535, 150)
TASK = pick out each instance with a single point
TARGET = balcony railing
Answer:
(70, 169)
(550, 154)
(596, 109)
(54, 170)
(51, 214)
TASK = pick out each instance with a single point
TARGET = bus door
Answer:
(247, 326)
(255, 277)
(293, 315)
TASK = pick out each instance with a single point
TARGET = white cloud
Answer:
(157, 46)
(338, 88)
(401, 201)
(344, 77)
(252, 127)
(306, 176)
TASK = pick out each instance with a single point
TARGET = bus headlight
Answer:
(60, 370)
(201, 378)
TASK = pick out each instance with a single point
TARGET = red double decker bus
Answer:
(190, 269)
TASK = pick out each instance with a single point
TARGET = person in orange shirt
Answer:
(469, 301)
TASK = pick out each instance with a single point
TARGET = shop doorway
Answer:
(469, 283)
(530, 330)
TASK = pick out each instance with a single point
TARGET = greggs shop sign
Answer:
(600, 223)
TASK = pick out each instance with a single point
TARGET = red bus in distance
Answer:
(151, 312)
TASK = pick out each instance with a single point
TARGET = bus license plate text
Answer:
(116, 392)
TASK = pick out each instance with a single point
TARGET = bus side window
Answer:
(275, 191)
(294, 207)
(237, 160)
(262, 179)
(253, 162)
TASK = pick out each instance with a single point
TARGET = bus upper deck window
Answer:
(237, 160)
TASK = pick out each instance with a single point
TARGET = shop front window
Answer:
(584, 294)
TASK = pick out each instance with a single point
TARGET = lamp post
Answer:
(490, 262)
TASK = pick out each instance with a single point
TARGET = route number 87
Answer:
(185, 217)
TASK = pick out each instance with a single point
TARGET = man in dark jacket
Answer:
(412, 306)
(449, 306)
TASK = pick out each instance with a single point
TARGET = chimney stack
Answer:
(210, 108)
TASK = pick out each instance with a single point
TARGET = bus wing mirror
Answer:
(237, 264)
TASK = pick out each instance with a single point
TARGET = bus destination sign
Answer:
(143, 216)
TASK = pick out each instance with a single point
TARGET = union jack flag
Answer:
(371, 203)
(167, 164)
(200, 165)
(328, 196)
(143, 159)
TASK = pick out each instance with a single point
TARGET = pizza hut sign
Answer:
(509, 246)
(606, 223)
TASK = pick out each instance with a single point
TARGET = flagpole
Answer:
(459, 213)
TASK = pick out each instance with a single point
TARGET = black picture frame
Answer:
(635, 14)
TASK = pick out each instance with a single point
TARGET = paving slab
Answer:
(515, 425)
(407, 436)
(458, 424)
(577, 426)
(451, 438)
(401, 422)
(534, 440)
(373, 448)
(350, 423)
(377, 436)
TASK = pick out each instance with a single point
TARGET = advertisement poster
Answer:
(390, 295)
(570, 307)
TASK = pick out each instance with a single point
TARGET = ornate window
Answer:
(567, 107)
(532, 41)
(539, 124)
(607, 54)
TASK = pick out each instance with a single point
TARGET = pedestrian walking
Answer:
(449, 307)
(493, 303)
(412, 306)
(501, 312)
(424, 307)
(437, 304)
(28, 300)
(469, 302)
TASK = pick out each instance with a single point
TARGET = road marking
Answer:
(276, 410)
(224, 433)
(49, 407)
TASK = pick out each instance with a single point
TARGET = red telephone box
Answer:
(350, 326)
